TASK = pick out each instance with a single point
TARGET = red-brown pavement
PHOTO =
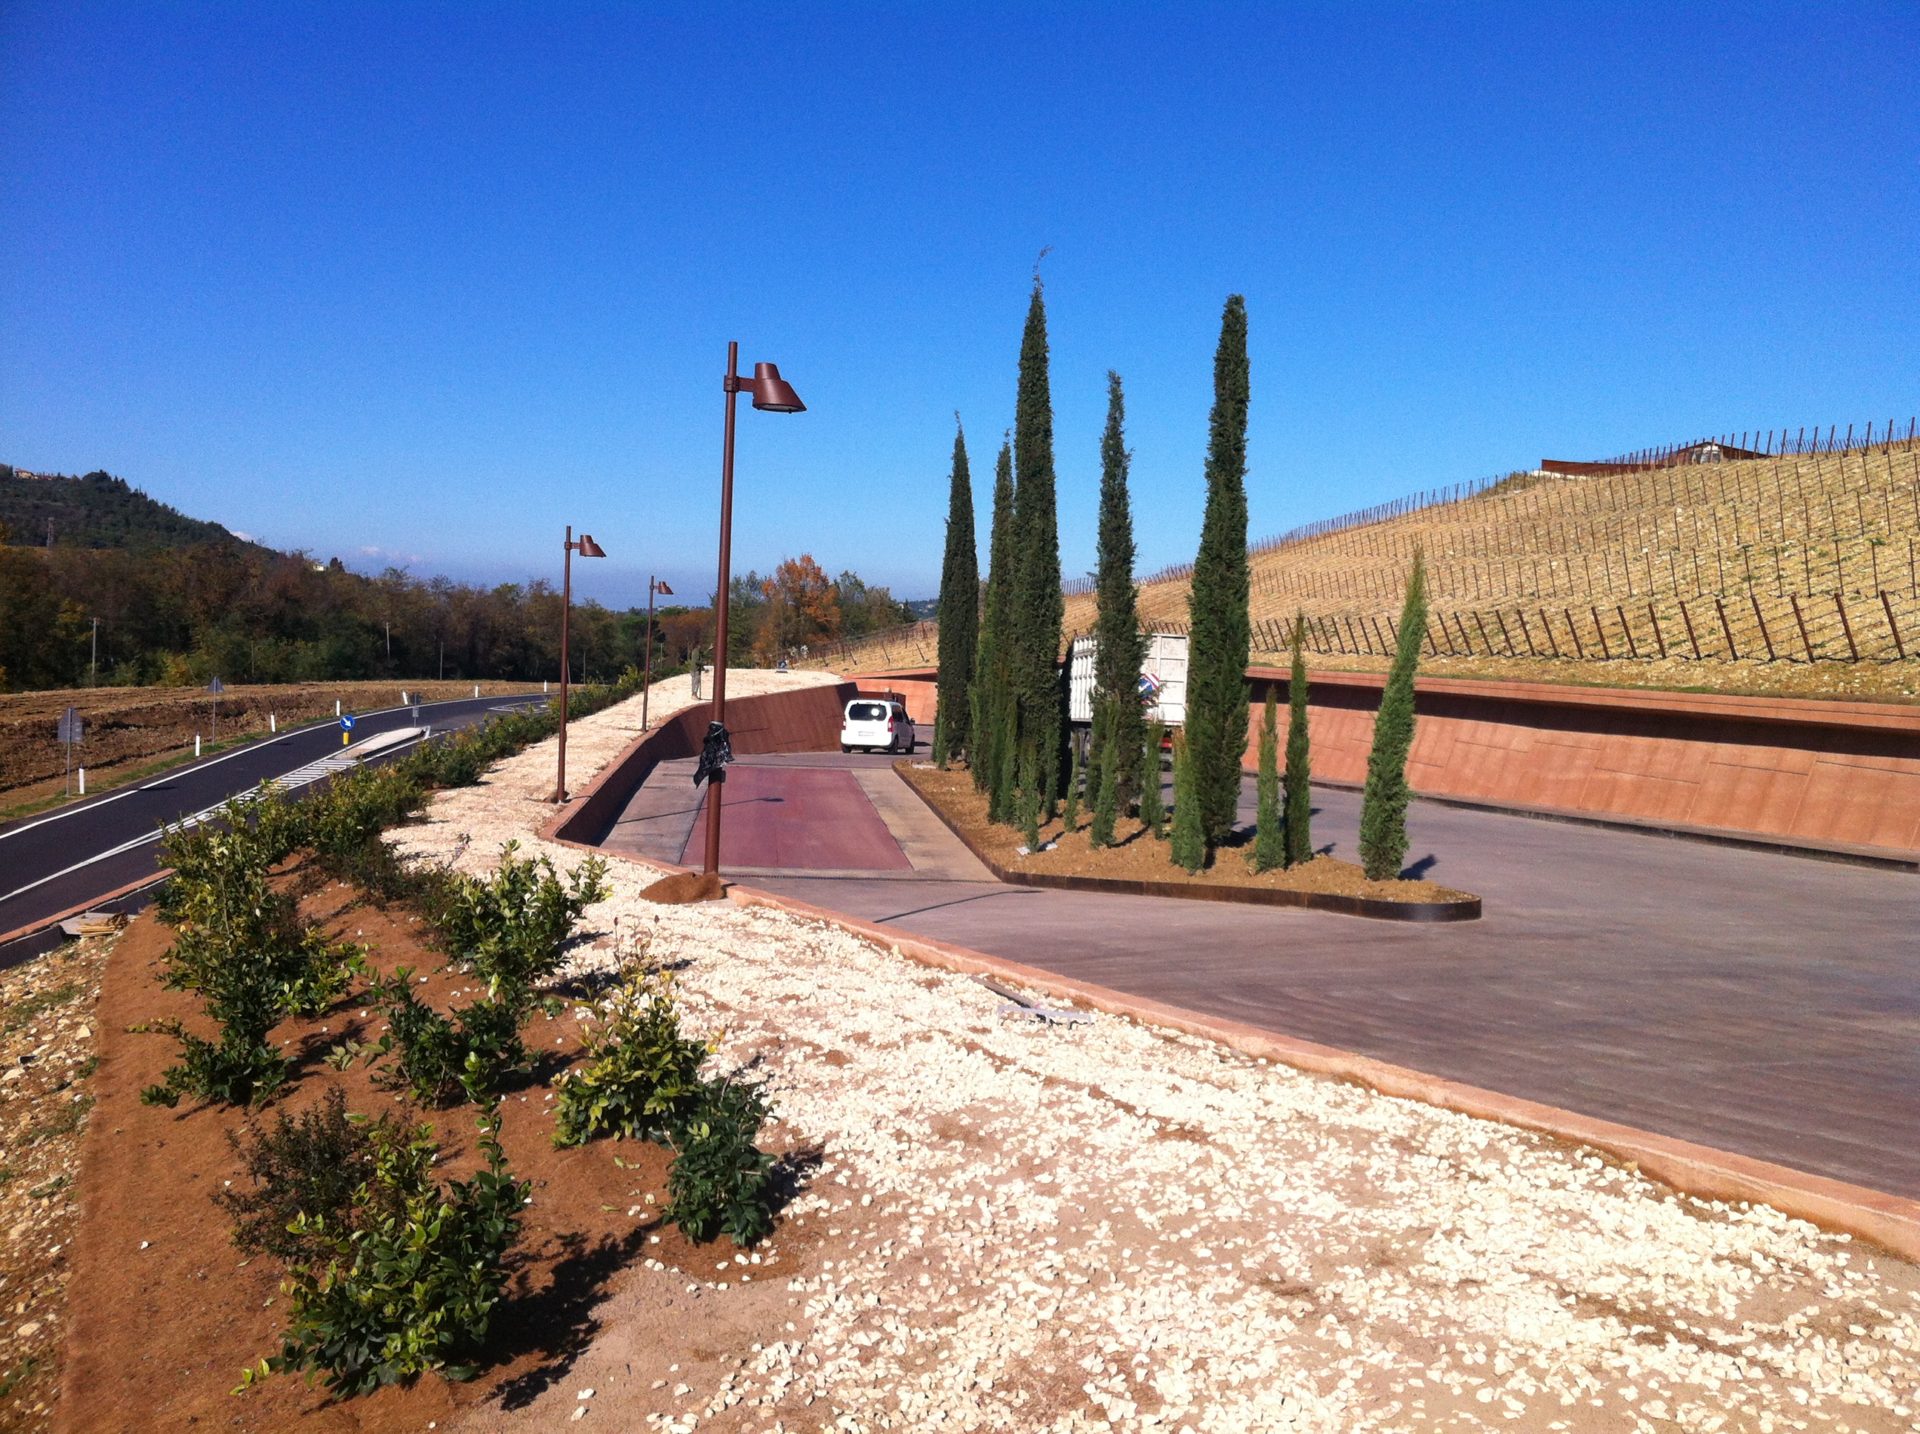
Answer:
(1751, 1001)
(797, 819)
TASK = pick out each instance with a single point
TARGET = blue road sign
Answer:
(346, 722)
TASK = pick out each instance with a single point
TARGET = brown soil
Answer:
(1137, 855)
(46, 1065)
(165, 1311)
(684, 887)
(127, 727)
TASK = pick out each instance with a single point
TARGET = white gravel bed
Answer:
(1019, 1227)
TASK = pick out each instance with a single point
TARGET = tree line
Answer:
(184, 614)
(1003, 689)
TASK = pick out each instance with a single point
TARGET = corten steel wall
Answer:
(804, 720)
(1824, 773)
(918, 687)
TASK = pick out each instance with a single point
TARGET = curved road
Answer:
(80, 852)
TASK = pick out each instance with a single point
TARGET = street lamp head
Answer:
(661, 587)
(590, 549)
(773, 393)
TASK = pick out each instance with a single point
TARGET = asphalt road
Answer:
(78, 853)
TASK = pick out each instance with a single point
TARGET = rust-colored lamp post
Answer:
(772, 394)
(586, 548)
(654, 585)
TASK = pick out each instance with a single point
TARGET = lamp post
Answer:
(654, 585)
(587, 548)
(772, 394)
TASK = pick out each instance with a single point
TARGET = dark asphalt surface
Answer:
(46, 862)
(1748, 1000)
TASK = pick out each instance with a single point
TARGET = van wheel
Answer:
(844, 749)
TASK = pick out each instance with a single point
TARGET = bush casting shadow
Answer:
(557, 1321)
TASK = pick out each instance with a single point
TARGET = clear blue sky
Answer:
(434, 281)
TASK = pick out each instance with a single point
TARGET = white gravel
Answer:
(1106, 1226)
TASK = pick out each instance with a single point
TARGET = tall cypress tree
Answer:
(1221, 631)
(1037, 606)
(1299, 760)
(1119, 722)
(1269, 845)
(959, 612)
(1189, 845)
(1383, 803)
(990, 681)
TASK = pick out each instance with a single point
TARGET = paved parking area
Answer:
(1761, 1003)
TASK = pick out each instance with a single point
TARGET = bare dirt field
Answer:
(126, 727)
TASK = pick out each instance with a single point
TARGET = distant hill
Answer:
(96, 511)
(923, 608)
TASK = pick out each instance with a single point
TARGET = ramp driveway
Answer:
(1758, 1002)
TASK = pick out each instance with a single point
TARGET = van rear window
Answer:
(866, 712)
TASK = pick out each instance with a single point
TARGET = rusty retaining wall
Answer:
(1843, 775)
(804, 720)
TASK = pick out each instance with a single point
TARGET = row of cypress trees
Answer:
(1002, 698)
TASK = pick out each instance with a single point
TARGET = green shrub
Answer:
(513, 926)
(721, 1182)
(311, 1165)
(641, 1076)
(238, 1069)
(471, 1053)
(1070, 812)
(408, 1282)
(1269, 843)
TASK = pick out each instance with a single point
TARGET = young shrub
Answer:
(308, 1165)
(1189, 832)
(1383, 803)
(1033, 801)
(1153, 806)
(513, 926)
(641, 1076)
(721, 1182)
(1299, 761)
(1269, 845)
(409, 1282)
(1070, 810)
(438, 1059)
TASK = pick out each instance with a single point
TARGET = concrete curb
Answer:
(1371, 908)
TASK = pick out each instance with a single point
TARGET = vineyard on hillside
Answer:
(1795, 572)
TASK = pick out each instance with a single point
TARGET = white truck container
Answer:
(1163, 679)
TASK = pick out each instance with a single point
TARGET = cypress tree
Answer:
(990, 656)
(1103, 777)
(1299, 763)
(959, 612)
(1070, 812)
(1153, 808)
(1383, 804)
(1189, 837)
(1119, 721)
(1269, 846)
(1216, 727)
(1037, 606)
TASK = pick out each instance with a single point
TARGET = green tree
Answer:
(1037, 606)
(988, 719)
(1383, 804)
(1299, 761)
(1216, 728)
(1070, 812)
(1189, 838)
(1119, 722)
(959, 612)
(1103, 777)
(1269, 846)
(1153, 807)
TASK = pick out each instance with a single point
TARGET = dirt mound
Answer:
(685, 887)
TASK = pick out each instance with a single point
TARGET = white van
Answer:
(877, 724)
